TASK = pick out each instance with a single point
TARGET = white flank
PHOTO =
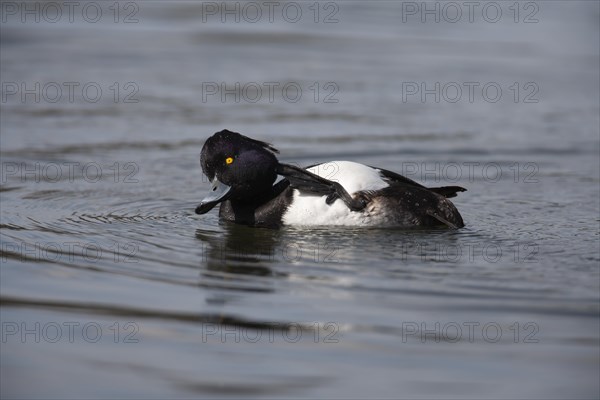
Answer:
(312, 210)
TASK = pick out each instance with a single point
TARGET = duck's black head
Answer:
(239, 168)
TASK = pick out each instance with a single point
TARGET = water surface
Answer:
(112, 286)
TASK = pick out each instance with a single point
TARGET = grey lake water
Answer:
(111, 286)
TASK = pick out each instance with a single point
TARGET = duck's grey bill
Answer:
(218, 193)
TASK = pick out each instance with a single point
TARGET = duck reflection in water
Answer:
(239, 250)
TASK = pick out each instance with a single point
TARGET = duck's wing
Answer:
(307, 182)
(395, 178)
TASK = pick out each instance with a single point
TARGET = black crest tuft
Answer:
(228, 135)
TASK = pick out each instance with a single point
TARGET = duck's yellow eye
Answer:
(229, 160)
